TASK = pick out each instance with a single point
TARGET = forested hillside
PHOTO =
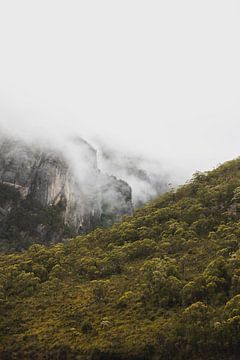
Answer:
(162, 284)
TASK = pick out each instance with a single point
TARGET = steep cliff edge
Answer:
(47, 194)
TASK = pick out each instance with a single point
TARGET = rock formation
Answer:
(67, 180)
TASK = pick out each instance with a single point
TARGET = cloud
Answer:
(145, 175)
(149, 79)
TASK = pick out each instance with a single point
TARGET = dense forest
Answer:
(162, 284)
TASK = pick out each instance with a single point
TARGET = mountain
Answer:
(48, 194)
(162, 284)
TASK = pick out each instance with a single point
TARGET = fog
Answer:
(156, 80)
(89, 164)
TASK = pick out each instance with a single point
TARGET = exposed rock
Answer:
(144, 175)
(71, 184)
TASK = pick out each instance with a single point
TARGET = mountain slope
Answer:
(162, 284)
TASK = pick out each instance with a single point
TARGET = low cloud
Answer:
(146, 176)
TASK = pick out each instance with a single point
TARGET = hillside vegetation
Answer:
(24, 222)
(162, 284)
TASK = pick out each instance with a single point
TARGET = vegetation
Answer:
(24, 222)
(162, 284)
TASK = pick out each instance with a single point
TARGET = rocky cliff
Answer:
(47, 194)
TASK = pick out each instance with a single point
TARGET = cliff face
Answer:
(66, 181)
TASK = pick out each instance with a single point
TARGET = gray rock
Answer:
(50, 176)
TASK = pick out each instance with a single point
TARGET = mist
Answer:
(84, 155)
(158, 82)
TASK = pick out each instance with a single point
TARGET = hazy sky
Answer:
(159, 77)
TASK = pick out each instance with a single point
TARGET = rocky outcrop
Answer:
(144, 175)
(67, 180)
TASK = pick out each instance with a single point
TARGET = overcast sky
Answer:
(159, 77)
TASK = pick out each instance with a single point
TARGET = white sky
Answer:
(160, 77)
